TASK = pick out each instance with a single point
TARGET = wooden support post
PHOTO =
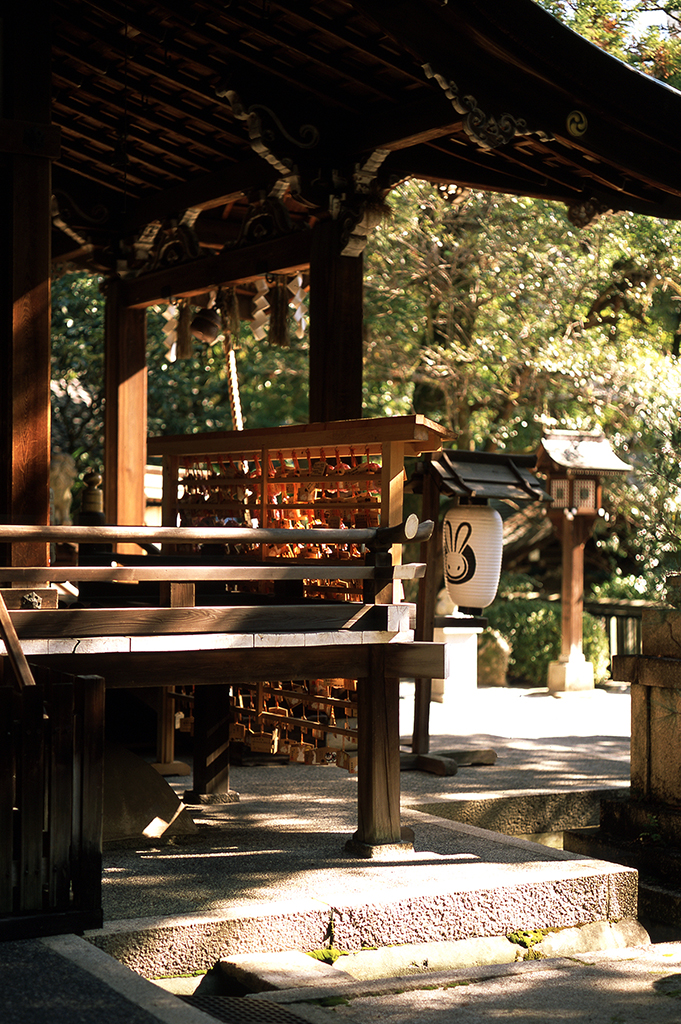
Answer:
(431, 554)
(336, 300)
(25, 194)
(378, 766)
(575, 533)
(211, 746)
(125, 426)
(571, 671)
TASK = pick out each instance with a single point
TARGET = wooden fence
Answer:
(51, 783)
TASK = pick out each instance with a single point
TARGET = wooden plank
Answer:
(210, 535)
(31, 799)
(16, 656)
(60, 707)
(101, 622)
(7, 741)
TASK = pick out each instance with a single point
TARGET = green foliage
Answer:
(186, 396)
(527, 939)
(78, 369)
(328, 955)
(532, 628)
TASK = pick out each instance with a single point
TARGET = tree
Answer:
(493, 314)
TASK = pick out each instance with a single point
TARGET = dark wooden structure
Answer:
(205, 646)
(179, 147)
(51, 763)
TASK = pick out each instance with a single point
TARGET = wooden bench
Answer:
(183, 644)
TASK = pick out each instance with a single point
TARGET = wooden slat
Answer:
(100, 622)
(7, 698)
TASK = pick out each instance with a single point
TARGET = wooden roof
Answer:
(467, 474)
(192, 127)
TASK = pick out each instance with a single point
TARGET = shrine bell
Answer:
(574, 464)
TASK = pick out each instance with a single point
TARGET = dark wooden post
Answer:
(211, 746)
(575, 533)
(125, 426)
(336, 299)
(431, 554)
(571, 671)
(378, 760)
(28, 143)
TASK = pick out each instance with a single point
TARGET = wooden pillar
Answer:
(574, 534)
(336, 301)
(378, 759)
(27, 144)
(125, 425)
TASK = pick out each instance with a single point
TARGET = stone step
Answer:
(532, 888)
(291, 969)
(517, 814)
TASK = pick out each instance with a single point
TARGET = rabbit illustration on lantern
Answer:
(472, 547)
(459, 555)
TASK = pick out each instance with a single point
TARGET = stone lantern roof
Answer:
(578, 453)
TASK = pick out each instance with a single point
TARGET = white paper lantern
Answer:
(473, 544)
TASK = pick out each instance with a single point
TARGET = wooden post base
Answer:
(381, 851)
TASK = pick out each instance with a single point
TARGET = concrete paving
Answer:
(274, 860)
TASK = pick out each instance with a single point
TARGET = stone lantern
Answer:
(574, 464)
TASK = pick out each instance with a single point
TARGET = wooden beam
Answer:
(288, 254)
(125, 426)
